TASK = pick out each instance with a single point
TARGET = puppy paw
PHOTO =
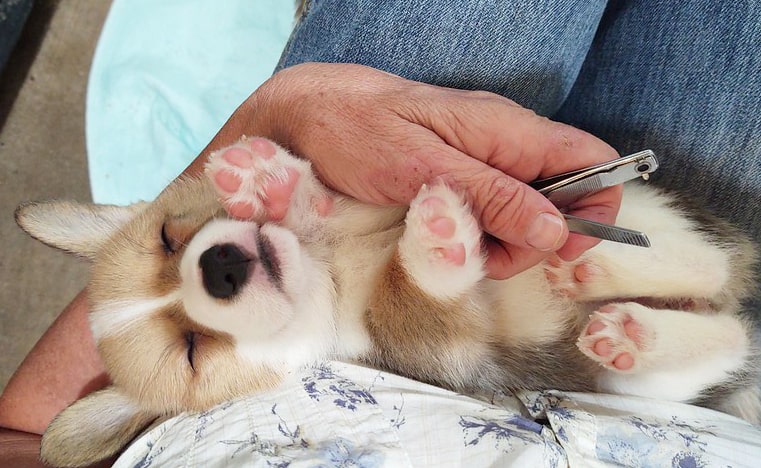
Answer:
(258, 180)
(441, 245)
(614, 338)
(443, 227)
(580, 280)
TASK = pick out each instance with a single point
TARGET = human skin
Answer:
(376, 137)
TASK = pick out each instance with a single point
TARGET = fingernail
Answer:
(545, 232)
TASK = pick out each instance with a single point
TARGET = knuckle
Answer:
(485, 95)
(504, 199)
(400, 178)
(569, 140)
(566, 136)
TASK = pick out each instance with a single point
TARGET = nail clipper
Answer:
(564, 189)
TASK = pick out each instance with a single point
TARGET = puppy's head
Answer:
(190, 308)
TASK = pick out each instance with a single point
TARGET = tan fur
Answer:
(426, 334)
(171, 385)
(521, 324)
(70, 440)
(147, 357)
(134, 262)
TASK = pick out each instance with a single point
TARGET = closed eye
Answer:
(169, 245)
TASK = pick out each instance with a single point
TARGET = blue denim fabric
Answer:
(681, 77)
(530, 53)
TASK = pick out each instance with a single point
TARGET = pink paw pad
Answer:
(250, 182)
(245, 154)
(227, 181)
(443, 227)
(571, 279)
(584, 272)
(261, 147)
(612, 338)
(238, 157)
(324, 205)
(277, 195)
(454, 254)
(434, 211)
(241, 210)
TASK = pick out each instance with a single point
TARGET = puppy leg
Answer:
(693, 257)
(258, 180)
(615, 272)
(666, 354)
(441, 245)
(421, 317)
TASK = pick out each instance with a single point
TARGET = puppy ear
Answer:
(79, 228)
(93, 429)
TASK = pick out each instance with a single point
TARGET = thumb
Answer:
(525, 225)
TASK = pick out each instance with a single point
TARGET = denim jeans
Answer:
(680, 77)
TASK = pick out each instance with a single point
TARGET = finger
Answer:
(504, 260)
(601, 207)
(511, 211)
(576, 245)
(508, 137)
(526, 146)
(516, 141)
(518, 216)
(560, 148)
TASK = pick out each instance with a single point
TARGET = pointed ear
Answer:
(93, 429)
(79, 228)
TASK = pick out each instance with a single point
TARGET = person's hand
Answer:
(378, 137)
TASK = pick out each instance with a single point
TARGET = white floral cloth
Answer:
(344, 415)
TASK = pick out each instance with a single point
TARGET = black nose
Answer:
(224, 269)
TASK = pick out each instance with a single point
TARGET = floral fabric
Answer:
(344, 415)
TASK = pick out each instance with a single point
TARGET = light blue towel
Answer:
(165, 77)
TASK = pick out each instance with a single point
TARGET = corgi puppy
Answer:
(190, 307)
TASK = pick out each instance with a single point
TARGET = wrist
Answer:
(267, 112)
(262, 114)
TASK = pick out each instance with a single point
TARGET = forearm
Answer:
(62, 366)
(23, 449)
(20, 448)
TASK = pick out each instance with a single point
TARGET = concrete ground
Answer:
(42, 156)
